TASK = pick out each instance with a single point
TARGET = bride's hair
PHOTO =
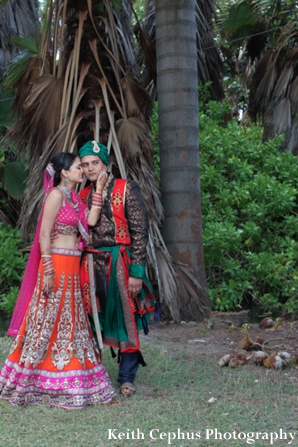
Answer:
(62, 160)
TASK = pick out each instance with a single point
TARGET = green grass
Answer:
(173, 393)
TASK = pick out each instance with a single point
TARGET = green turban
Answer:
(94, 148)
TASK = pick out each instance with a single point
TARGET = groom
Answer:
(113, 274)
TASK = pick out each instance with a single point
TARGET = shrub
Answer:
(13, 264)
(249, 206)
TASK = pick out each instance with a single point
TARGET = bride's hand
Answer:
(48, 285)
(102, 180)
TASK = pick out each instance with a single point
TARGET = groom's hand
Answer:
(134, 285)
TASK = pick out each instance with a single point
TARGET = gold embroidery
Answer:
(40, 323)
(62, 350)
(122, 232)
(82, 343)
(117, 200)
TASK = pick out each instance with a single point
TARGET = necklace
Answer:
(66, 192)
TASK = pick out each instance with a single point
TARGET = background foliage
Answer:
(249, 205)
(13, 264)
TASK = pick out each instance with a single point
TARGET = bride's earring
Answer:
(66, 181)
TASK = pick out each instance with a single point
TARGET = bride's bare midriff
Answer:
(64, 241)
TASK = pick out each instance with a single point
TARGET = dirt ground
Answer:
(224, 333)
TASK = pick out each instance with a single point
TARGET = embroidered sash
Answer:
(118, 208)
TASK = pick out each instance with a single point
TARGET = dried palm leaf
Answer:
(147, 43)
(65, 102)
(279, 116)
(291, 138)
(97, 104)
(21, 77)
(78, 94)
(94, 51)
(263, 66)
(114, 43)
(266, 86)
(281, 86)
(168, 286)
(284, 43)
(31, 128)
(137, 100)
(292, 58)
(105, 46)
(132, 135)
(4, 219)
(125, 45)
(117, 150)
(150, 196)
(191, 307)
(293, 92)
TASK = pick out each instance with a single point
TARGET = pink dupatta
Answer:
(31, 271)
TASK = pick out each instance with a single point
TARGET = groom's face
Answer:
(92, 165)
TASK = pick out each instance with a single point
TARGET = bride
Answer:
(54, 359)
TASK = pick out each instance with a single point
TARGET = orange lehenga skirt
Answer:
(54, 359)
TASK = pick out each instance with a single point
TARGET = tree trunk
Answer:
(177, 91)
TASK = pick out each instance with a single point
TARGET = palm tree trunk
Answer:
(177, 91)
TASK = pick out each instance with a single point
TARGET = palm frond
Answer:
(26, 42)
(291, 138)
(240, 18)
(266, 85)
(22, 79)
(282, 116)
(278, 117)
(282, 83)
(14, 179)
(117, 149)
(6, 103)
(137, 100)
(16, 69)
(132, 135)
(262, 86)
(147, 56)
(294, 96)
(3, 218)
(168, 286)
(262, 67)
(31, 128)
(125, 36)
(190, 291)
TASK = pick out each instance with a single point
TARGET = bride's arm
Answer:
(52, 206)
(97, 201)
